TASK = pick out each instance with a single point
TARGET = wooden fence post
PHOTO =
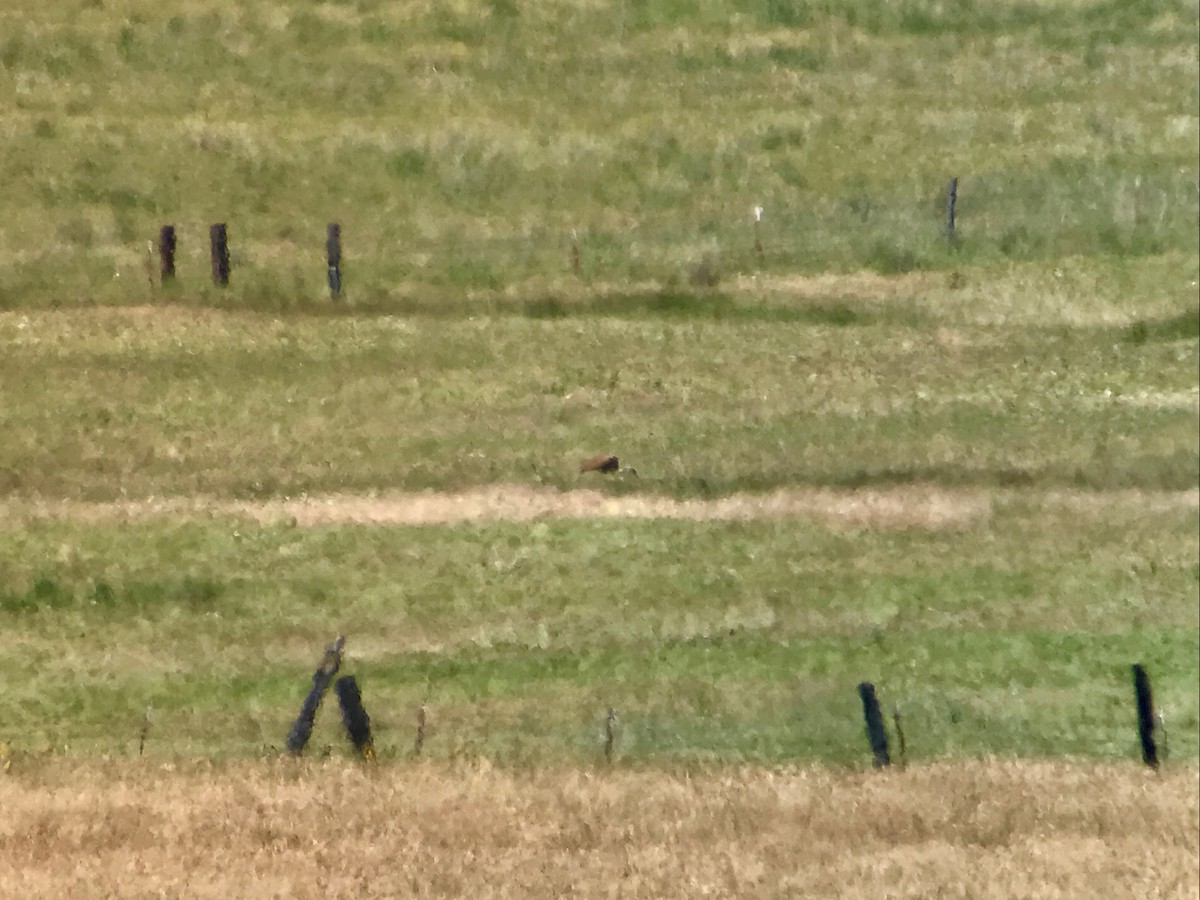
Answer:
(302, 728)
(1145, 713)
(419, 741)
(610, 735)
(876, 733)
(354, 717)
(166, 254)
(333, 255)
(219, 241)
(951, 200)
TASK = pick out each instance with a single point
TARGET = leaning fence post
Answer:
(166, 253)
(951, 200)
(1145, 713)
(876, 733)
(354, 717)
(333, 255)
(219, 241)
(302, 728)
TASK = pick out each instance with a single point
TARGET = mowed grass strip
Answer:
(1011, 632)
(983, 829)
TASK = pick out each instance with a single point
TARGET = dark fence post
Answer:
(354, 717)
(951, 200)
(900, 736)
(302, 728)
(166, 253)
(333, 253)
(1145, 712)
(419, 741)
(219, 240)
(876, 733)
(610, 735)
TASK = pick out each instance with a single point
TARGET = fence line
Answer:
(358, 727)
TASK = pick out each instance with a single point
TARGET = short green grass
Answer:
(1012, 634)
(103, 405)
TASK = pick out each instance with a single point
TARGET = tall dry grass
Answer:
(307, 829)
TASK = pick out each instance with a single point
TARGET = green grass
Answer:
(460, 148)
(1040, 368)
(1011, 635)
(704, 397)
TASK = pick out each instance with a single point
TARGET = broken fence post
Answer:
(333, 256)
(354, 717)
(301, 729)
(876, 733)
(1145, 713)
(166, 254)
(219, 240)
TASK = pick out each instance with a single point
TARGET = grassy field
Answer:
(277, 829)
(964, 469)
(460, 145)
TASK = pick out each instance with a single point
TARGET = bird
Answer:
(606, 465)
(602, 463)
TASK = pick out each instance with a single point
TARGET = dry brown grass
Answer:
(909, 506)
(305, 829)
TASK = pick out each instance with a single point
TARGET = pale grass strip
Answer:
(910, 506)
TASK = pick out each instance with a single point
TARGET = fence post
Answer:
(302, 728)
(419, 741)
(576, 262)
(900, 736)
(876, 733)
(219, 241)
(333, 254)
(166, 253)
(951, 200)
(354, 717)
(1145, 713)
(610, 735)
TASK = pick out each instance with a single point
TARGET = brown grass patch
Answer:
(904, 507)
(916, 506)
(308, 829)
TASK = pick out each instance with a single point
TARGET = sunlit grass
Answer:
(460, 148)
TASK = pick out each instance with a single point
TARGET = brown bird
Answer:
(606, 465)
(602, 463)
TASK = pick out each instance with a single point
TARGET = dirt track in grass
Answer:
(334, 828)
(919, 506)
